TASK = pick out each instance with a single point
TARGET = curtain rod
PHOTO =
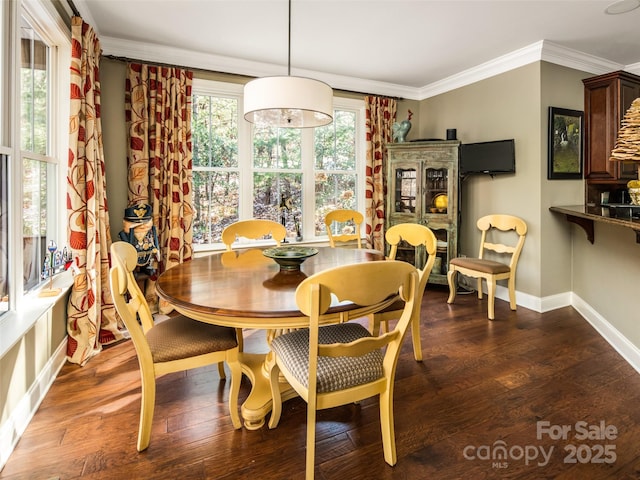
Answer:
(73, 8)
(237, 75)
(168, 65)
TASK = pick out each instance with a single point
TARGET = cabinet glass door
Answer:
(405, 190)
(436, 187)
(443, 253)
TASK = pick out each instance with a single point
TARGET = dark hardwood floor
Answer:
(483, 388)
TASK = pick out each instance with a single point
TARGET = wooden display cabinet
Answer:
(422, 186)
(606, 100)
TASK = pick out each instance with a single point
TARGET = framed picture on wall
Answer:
(565, 144)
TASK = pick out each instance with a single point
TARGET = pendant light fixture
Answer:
(286, 101)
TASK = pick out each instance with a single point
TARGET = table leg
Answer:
(258, 404)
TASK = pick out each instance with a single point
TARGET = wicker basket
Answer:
(634, 193)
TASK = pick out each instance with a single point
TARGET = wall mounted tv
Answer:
(491, 158)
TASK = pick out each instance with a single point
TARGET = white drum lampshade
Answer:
(288, 102)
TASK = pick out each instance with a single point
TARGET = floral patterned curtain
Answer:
(91, 317)
(159, 158)
(380, 115)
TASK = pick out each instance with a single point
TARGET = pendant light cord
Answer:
(289, 44)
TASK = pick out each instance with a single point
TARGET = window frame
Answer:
(245, 165)
(46, 21)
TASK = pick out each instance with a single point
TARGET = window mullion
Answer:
(245, 165)
(308, 184)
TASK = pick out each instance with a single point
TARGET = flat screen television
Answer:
(491, 158)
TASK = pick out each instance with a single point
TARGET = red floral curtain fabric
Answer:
(380, 115)
(91, 316)
(158, 114)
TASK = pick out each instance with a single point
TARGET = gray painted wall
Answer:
(502, 107)
(557, 258)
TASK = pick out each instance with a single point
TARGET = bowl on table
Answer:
(289, 257)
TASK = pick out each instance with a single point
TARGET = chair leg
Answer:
(387, 426)
(234, 390)
(240, 339)
(479, 287)
(491, 294)
(221, 371)
(451, 278)
(276, 400)
(512, 292)
(147, 405)
(311, 441)
(415, 336)
(374, 324)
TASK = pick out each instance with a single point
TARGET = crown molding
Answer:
(515, 59)
(542, 50)
(217, 63)
(568, 57)
(633, 68)
(539, 51)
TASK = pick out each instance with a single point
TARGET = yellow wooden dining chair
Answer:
(414, 235)
(351, 221)
(254, 229)
(488, 269)
(342, 363)
(176, 344)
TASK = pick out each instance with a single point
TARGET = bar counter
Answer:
(624, 215)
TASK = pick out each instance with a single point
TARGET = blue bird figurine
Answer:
(400, 130)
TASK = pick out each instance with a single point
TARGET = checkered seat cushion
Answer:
(334, 373)
(181, 337)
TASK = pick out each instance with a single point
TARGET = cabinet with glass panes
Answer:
(422, 187)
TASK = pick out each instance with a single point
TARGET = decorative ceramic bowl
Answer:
(290, 257)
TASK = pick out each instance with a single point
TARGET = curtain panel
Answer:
(380, 115)
(159, 156)
(91, 317)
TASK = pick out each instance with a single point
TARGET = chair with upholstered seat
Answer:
(343, 226)
(342, 363)
(414, 235)
(176, 344)
(253, 229)
(491, 270)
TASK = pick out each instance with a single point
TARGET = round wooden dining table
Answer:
(245, 289)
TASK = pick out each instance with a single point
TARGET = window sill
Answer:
(15, 324)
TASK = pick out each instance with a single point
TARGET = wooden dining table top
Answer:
(245, 288)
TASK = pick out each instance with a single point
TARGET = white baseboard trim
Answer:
(554, 302)
(522, 299)
(617, 340)
(628, 351)
(13, 428)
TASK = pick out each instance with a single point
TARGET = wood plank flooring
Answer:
(480, 392)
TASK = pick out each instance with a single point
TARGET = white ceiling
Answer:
(411, 49)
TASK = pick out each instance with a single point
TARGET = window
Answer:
(34, 79)
(4, 235)
(336, 172)
(216, 166)
(293, 176)
(39, 169)
(5, 281)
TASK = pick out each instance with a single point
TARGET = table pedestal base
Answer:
(258, 404)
